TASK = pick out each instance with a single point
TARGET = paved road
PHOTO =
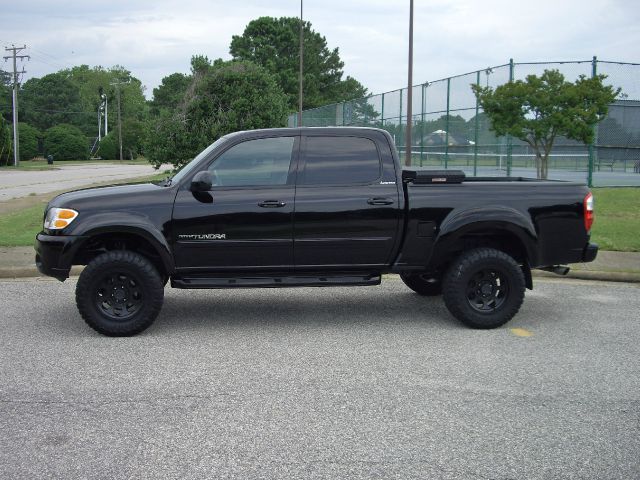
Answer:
(21, 183)
(371, 382)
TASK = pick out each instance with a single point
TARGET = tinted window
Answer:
(340, 160)
(264, 161)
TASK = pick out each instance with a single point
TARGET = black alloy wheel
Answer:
(484, 288)
(120, 293)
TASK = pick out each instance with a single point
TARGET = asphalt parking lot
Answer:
(370, 382)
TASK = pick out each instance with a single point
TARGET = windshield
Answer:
(186, 169)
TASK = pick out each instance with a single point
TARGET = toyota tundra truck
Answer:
(312, 207)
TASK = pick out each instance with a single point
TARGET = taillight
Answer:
(588, 212)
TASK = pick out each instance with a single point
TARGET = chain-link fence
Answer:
(450, 130)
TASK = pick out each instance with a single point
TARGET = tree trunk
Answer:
(538, 165)
(545, 166)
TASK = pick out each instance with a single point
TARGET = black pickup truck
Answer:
(312, 207)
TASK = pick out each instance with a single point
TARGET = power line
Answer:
(16, 140)
(49, 110)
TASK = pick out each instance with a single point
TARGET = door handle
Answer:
(380, 201)
(271, 204)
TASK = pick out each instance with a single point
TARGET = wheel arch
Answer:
(140, 239)
(502, 228)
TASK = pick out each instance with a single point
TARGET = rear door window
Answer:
(340, 161)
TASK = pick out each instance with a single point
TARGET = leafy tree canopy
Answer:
(51, 100)
(540, 109)
(274, 43)
(228, 97)
(170, 92)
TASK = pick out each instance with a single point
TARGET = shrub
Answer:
(108, 147)
(28, 141)
(66, 142)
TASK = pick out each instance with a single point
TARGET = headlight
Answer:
(59, 218)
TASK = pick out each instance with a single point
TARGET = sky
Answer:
(156, 38)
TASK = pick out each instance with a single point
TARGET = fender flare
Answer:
(129, 224)
(488, 219)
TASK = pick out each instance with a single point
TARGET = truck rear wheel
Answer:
(484, 288)
(119, 293)
(421, 284)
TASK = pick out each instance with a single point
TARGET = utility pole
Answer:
(16, 140)
(300, 74)
(409, 87)
(117, 85)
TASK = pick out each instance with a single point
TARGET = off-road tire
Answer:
(483, 288)
(421, 285)
(135, 277)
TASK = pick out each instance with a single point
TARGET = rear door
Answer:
(347, 210)
(245, 220)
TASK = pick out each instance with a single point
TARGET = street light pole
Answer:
(300, 74)
(409, 87)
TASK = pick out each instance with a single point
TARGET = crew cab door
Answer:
(245, 220)
(347, 205)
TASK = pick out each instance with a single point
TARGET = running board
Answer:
(275, 282)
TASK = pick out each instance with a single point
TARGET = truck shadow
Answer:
(300, 307)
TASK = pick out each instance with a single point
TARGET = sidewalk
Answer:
(18, 262)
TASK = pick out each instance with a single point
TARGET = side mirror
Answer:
(201, 182)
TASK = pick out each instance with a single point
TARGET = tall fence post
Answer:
(509, 139)
(422, 109)
(382, 112)
(446, 128)
(592, 153)
(400, 132)
(475, 133)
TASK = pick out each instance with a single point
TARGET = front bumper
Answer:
(54, 254)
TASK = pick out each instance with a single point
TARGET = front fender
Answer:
(129, 223)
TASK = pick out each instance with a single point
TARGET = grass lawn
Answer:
(19, 228)
(617, 224)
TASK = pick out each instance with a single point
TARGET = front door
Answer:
(245, 220)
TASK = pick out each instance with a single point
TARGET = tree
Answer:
(274, 44)
(6, 141)
(6, 98)
(540, 109)
(228, 97)
(29, 139)
(66, 142)
(170, 92)
(51, 100)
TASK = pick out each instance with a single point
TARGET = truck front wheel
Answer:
(422, 284)
(119, 293)
(484, 288)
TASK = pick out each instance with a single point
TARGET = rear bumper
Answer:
(54, 254)
(590, 252)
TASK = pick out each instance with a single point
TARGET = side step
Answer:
(275, 282)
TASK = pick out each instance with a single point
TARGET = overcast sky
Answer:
(156, 38)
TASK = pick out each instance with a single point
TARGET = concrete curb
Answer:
(627, 277)
(31, 271)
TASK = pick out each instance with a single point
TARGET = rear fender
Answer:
(486, 221)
